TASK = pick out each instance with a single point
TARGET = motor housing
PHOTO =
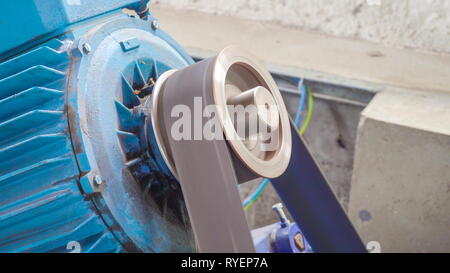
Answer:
(77, 172)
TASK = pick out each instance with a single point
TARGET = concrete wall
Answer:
(421, 24)
(400, 191)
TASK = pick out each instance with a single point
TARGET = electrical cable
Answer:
(310, 112)
(301, 104)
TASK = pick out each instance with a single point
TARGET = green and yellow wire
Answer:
(310, 112)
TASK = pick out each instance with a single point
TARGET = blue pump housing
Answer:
(77, 170)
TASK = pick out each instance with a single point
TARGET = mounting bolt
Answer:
(299, 242)
(278, 208)
(98, 180)
(86, 48)
(155, 24)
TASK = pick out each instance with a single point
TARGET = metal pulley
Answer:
(237, 79)
(209, 169)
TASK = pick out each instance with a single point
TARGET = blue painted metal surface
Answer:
(277, 239)
(41, 206)
(284, 240)
(27, 22)
(107, 118)
(50, 168)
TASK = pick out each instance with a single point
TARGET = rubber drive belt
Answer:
(204, 168)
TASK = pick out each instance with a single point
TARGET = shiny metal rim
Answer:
(160, 139)
(275, 166)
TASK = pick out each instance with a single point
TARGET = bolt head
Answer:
(86, 48)
(299, 242)
(98, 180)
(277, 206)
(155, 24)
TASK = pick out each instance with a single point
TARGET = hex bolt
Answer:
(155, 24)
(278, 208)
(98, 180)
(86, 48)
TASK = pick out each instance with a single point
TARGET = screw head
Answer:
(86, 48)
(277, 207)
(155, 24)
(98, 180)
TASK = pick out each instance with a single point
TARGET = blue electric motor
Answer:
(79, 170)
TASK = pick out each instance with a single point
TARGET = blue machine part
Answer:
(76, 164)
(41, 206)
(278, 238)
(32, 21)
